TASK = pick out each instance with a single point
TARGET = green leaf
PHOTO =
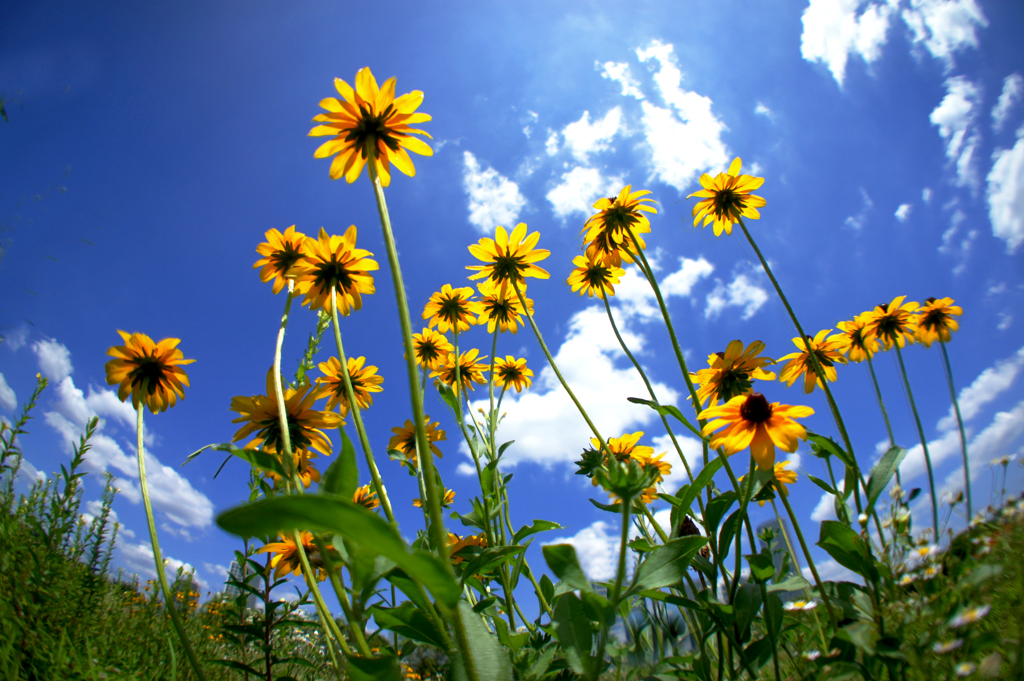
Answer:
(490, 558)
(547, 589)
(561, 558)
(747, 603)
(488, 657)
(847, 548)
(513, 642)
(823, 446)
(728, 533)
(699, 483)
(450, 399)
(882, 472)
(668, 410)
(409, 621)
(342, 476)
(254, 457)
(385, 668)
(611, 508)
(537, 526)
(794, 583)
(666, 565)
(406, 585)
(715, 509)
(762, 567)
(321, 513)
(572, 630)
(240, 666)
(822, 484)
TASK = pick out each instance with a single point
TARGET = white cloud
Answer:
(926, 194)
(742, 292)
(635, 297)
(583, 138)
(138, 558)
(903, 212)
(8, 400)
(216, 569)
(1005, 320)
(17, 338)
(579, 189)
(54, 359)
(866, 204)
(551, 145)
(989, 384)
(955, 117)
(1006, 194)
(681, 282)
(944, 26)
(834, 30)
(619, 72)
(493, 198)
(684, 140)
(762, 110)
(692, 450)
(596, 548)
(1013, 91)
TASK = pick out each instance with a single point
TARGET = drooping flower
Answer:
(370, 124)
(828, 351)
(510, 372)
(501, 311)
(404, 438)
(334, 263)
(261, 416)
(446, 501)
(855, 340)
(366, 497)
(364, 381)
(280, 252)
(150, 372)
(726, 197)
(452, 308)
(286, 560)
(594, 277)
(892, 324)
(608, 235)
(509, 258)
(470, 370)
(430, 347)
(935, 320)
(750, 421)
(732, 372)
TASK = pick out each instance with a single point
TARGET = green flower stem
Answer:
(924, 440)
(354, 623)
(286, 441)
(536, 587)
(960, 423)
(796, 561)
(318, 599)
(885, 412)
(619, 574)
(157, 555)
(378, 483)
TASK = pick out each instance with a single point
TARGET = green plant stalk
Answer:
(157, 555)
(318, 599)
(796, 561)
(924, 440)
(960, 423)
(378, 483)
(354, 623)
(885, 412)
(619, 574)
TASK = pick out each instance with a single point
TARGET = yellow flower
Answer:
(726, 197)
(457, 544)
(364, 381)
(782, 476)
(280, 252)
(446, 501)
(261, 416)
(286, 559)
(404, 438)
(150, 372)
(935, 321)
(509, 258)
(501, 311)
(594, 277)
(893, 324)
(430, 347)
(334, 263)
(752, 422)
(307, 471)
(511, 372)
(829, 351)
(625, 447)
(732, 372)
(452, 308)
(366, 498)
(470, 371)
(608, 235)
(855, 341)
(371, 121)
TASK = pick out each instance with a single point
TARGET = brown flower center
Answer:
(756, 408)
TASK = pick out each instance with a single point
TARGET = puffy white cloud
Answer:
(835, 29)
(596, 548)
(681, 282)
(138, 558)
(216, 569)
(903, 212)
(583, 138)
(619, 72)
(1006, 194)
(926, 194)
(8, 400)
(54, 359)
(579, 189)
(551, 145)
(944, 27)
(1013, 91)
(742, 292)
(684, 140)
(762, 110)
(635, 297)
(989, 384)
(493, 198)
(955, 116)
(16, 339)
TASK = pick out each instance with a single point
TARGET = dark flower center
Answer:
(150, 372)
(728, 202)
(756, 408)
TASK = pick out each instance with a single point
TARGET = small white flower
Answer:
(812, 655)
(965, 668)
(969, 616)
(948, 646)
(792, 606)
(863, 519)
(906, 580)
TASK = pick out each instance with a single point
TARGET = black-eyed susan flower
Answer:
(452, 308)
(366, 497)
(594, 277)
(280, 253)
(446, 501)
(935, 320)
(470, 370)
(471, 544)
(510, 372)
(726, 197)
(370, 124)
(783, 477)
(828, 351)
(404, 438)
(626, 446)
(509, 258)
(150, 372)
(855, 340)
(894, 323)
(732, 372)
(334, 263)
(364, 381)
(501, 311)
(286, 560)
(308, 473)
(750, 421)
(261, 416)
(430, 347)
(608, 235)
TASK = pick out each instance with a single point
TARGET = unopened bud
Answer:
(863, 519)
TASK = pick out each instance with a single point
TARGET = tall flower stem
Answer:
(158, 558)
(619, 574)
(924, 440)
(796, 562)
(885, 412)
(318, 599)
(378, 483)
(960, 423)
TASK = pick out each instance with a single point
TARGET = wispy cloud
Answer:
(1005, 194)
(944, 27)
(1013, 91)
(578, 189)
(955, 117)
(493, 198)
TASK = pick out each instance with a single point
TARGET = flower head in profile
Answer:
(608, 234)
(855, 340)
(430, 348)
(594, 277)
(461, 548)
(969, 616)
(828, 351)
(150, 372)
(333, 263)
(470, 370)
(280, 253)
(370, 124)
(286, 559)
(404, 439)
(783, 477)
(446, 501)
(501, 310)
(508, 258)
(799, 606)
(935, 320)
(452, 308)
(366, 497)
(732, 372)
(510, 372)
(262, 418)
(726, 197)
(750, 421)
(626, 447)
(308, 473)
(892, 324)
(364, 381)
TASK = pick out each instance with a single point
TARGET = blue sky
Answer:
(150, 147)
